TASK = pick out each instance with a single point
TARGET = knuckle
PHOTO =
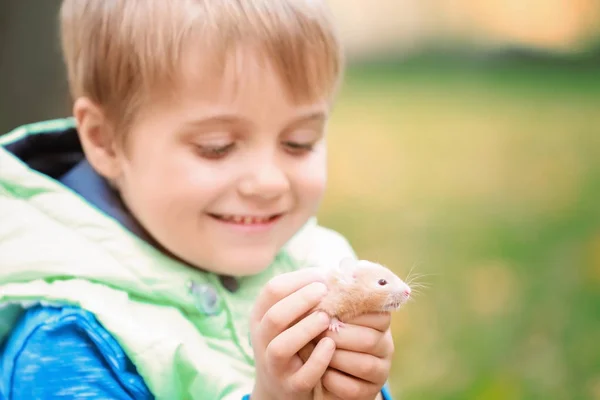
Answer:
(370, 367)
(273, 288)
(383, 372)
(352, 390)
(276, 352)
(274, 320)
(386, 321)
(364, 391)
(371, 342)
(391, 345)
(300, 385)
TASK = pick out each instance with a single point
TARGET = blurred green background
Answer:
(465, 148)
(486, 181)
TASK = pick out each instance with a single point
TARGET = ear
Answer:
(97, 138)
(348, 263)
(346, 269)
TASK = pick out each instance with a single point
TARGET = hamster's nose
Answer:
(407, 292)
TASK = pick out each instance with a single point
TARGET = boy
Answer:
(155, 245)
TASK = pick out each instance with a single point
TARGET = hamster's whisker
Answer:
(418, 285)
(414, 283)
(410, 271)
(411, 298)
(417, 290)
(421, 275)
(418, 277)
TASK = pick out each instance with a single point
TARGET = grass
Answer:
(484, 179)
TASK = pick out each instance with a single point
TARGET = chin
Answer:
(245, 263)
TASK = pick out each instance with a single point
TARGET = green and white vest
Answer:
(55, 248)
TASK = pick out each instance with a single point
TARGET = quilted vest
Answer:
(186, 334)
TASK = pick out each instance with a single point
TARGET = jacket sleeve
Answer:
(64, 353)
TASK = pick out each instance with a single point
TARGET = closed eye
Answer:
(214, 152)
(299, 148)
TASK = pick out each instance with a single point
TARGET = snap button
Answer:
(230, 283)
(206, 298)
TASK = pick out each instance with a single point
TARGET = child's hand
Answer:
(276, 337)
(361, 363)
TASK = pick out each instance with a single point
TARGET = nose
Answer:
(406, 292)
(265, 179)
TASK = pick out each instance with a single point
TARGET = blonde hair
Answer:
(121, 52)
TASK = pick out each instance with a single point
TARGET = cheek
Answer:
(315, 184)
(311, 179)
(182, 186)
(168, 187)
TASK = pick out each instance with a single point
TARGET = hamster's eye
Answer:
(382, 282)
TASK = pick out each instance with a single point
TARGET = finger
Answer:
(282, 286)
(348, 387)
(307, 377)
(363, 340)
(288, 310)
(291, 341)
(364, 366)
(379, 321)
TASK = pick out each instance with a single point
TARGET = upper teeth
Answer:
(244, 220)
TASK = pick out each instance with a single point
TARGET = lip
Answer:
(248, 223)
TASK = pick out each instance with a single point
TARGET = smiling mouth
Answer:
(246, 219)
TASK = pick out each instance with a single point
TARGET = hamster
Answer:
(357, 287)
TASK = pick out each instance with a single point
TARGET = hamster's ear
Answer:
(346, 270)
(348, 263)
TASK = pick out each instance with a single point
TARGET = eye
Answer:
(382, 282)
(214, 152)
(299, 148)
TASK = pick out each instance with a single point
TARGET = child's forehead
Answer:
(245, 93)
(226, 74)
(245, 74)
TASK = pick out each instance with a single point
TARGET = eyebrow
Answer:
(218, 118)
(233, 119)
(317, 116)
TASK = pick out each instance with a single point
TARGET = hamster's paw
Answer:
(335, 324)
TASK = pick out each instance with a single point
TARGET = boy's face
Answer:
(226, 174)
